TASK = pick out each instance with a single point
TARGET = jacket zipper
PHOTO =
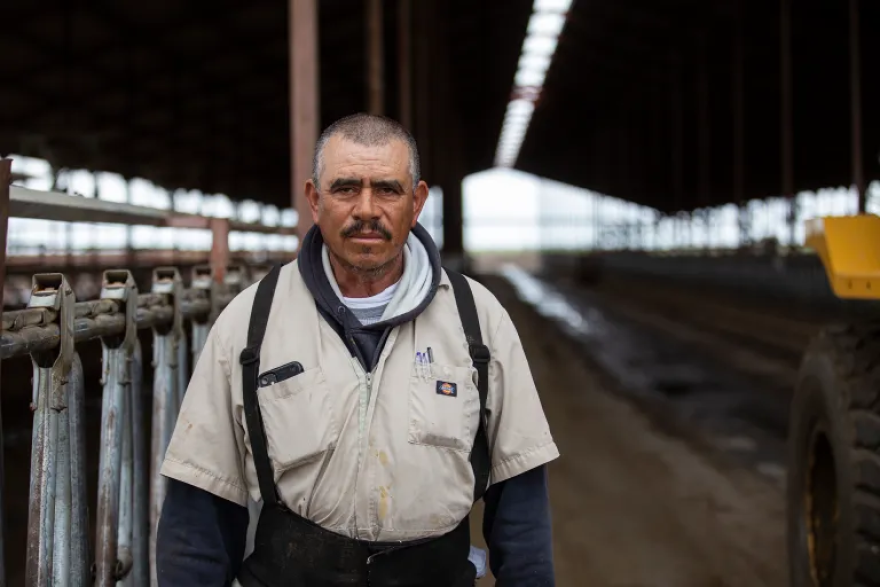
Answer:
(363, 405)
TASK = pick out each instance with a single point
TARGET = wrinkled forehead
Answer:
(343, 157)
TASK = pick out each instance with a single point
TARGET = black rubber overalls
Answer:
(291, 551)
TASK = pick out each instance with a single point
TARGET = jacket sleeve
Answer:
(517, 529)
(201, 538)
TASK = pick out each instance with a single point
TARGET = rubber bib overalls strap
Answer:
(467, 309)
(292, 551)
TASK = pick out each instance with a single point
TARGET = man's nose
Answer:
(366, 205)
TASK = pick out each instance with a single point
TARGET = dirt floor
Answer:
(634, 506)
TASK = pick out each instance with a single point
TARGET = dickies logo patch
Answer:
(446, 388)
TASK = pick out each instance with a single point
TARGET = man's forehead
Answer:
(341, 151)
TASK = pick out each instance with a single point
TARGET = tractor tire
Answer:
(833, 481)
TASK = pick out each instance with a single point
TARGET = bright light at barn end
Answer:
(545, 25)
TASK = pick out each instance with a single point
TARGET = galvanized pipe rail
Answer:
(130, 488)
(36, 329)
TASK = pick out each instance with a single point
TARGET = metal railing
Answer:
(130, 490)
(128, 505)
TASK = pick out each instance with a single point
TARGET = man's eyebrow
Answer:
(391, 184)
(344, 182)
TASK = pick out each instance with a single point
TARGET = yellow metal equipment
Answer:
(833, 479)
(849, 247)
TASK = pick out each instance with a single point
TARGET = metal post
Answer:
(219, 246)
(70, 564)
(423, 84)
(80, 556)
(125, 520)
(182, 370)
(404, 33)
(304, 107)
(140, 543)
(705, 142)
(677, 115)
(449, 157)
(739, 128)
(115, 476)
(5, 175)
(786, 123)
(375, 58)
(855, 77)
(61, 529)
(202, 281)
(51, 372)
(166, 340)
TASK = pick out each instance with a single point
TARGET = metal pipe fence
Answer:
(130, 488)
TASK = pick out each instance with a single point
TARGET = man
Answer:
(365, 397)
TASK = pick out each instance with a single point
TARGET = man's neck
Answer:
(364, 284)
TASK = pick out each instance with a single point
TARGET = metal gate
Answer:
(129, 486)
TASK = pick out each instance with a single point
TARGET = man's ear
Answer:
(313, 197)
(420, 196)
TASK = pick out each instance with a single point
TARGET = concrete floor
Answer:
(634, 505)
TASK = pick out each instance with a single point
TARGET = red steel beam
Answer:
(375, 58)
(219, 248)
(304, 107)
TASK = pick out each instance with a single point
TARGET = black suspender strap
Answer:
(250, 369)
(467, 309)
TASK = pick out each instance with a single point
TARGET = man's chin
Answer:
(368, 251)
(369, 261)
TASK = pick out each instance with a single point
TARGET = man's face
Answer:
(365, 204)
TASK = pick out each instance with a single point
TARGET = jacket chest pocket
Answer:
(443, 407)
(299, 419)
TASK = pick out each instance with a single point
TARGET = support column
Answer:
(704, 141)
(449, 154)
(786, 123)
(453, 174)
(404, 64)
(304, 104)
(219, 248)
(677, 116)
(855, 77)
(453, 219)
(375, 58)
(739, 129)
(5, 178)
(423, 43)
(622, 173)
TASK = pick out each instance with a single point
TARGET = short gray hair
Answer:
(369, 130)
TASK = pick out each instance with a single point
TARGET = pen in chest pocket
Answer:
(423, 366)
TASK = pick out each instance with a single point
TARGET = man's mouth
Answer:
(367, 236)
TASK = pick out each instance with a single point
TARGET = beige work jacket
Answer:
(375, 456)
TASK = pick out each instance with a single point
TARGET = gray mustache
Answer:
(359, 225)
